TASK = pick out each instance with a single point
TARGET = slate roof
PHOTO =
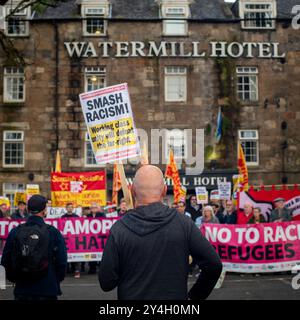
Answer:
(141, 9)
(149, 9)
(284, 8)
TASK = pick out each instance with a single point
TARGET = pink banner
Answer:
(256, 248)
(85, 238)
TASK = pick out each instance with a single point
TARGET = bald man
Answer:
(147, 253)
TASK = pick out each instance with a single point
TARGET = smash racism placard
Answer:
(109, 119)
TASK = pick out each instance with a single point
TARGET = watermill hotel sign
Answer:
(217, 49)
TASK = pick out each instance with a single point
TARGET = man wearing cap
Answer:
(21, 212)
(280, 213)
(47, 285)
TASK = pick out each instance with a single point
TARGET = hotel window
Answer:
(89, 158)
(9, 191)
(175, 23)
(249, 142)
(94, 78)
(13, 149)
(177, 141)
(14, 84)
(175, 84)
(258, 15)
(247, 83)
(17, 25)
(94, 23)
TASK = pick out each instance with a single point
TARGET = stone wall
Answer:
(279, 82)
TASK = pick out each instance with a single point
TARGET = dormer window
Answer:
(258, 15)
(94, 23)
(17, 25)
(175, 20)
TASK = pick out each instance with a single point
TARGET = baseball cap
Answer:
(36, 204)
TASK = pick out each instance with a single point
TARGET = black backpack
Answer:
(30, 253)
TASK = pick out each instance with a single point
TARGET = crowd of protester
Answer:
(225, 212)
(216, 212)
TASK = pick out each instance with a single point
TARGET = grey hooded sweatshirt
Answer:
(147, 256)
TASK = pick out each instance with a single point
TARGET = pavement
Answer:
(235, 287)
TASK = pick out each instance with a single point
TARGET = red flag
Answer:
(172, 173)
(243, 170)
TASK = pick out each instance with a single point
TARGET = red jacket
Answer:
(242, 218)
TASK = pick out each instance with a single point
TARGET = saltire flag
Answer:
(117, 185)
(242, 167)
(219, 130)
(173, 174)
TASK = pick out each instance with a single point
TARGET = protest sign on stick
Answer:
(109, 119)
(224, 190)
(202, 195)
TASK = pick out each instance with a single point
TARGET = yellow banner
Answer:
(83, 199)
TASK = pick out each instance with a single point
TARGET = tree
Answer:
(10, 52)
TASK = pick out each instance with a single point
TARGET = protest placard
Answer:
(183, 192)
(57, 212)
(214, 195)
(19, 196)
(224, 190)
(32, 189)
(109, 119)
(202, 195)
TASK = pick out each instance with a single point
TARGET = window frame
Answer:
(97, 71)
(12, 191)
(243, 73)
(184, 137)
(86, 17)
(6, 76)
(25, 13)
(256, 139)
(175, 18)
(168, 75)
(6, 140)
(244, 11)
(86, 141)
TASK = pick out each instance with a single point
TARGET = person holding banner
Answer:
(230, 213)
(280, 213)
(96, 211)
(208, 216)
(245, 216)
(257, 217)
(75, 266)
(147, 253)
(21, 212)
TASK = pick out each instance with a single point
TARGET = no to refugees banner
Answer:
(109, 119)
(85, 238)
(256, 248)
(82, 188)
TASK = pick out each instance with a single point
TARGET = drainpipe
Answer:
(56, 79)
